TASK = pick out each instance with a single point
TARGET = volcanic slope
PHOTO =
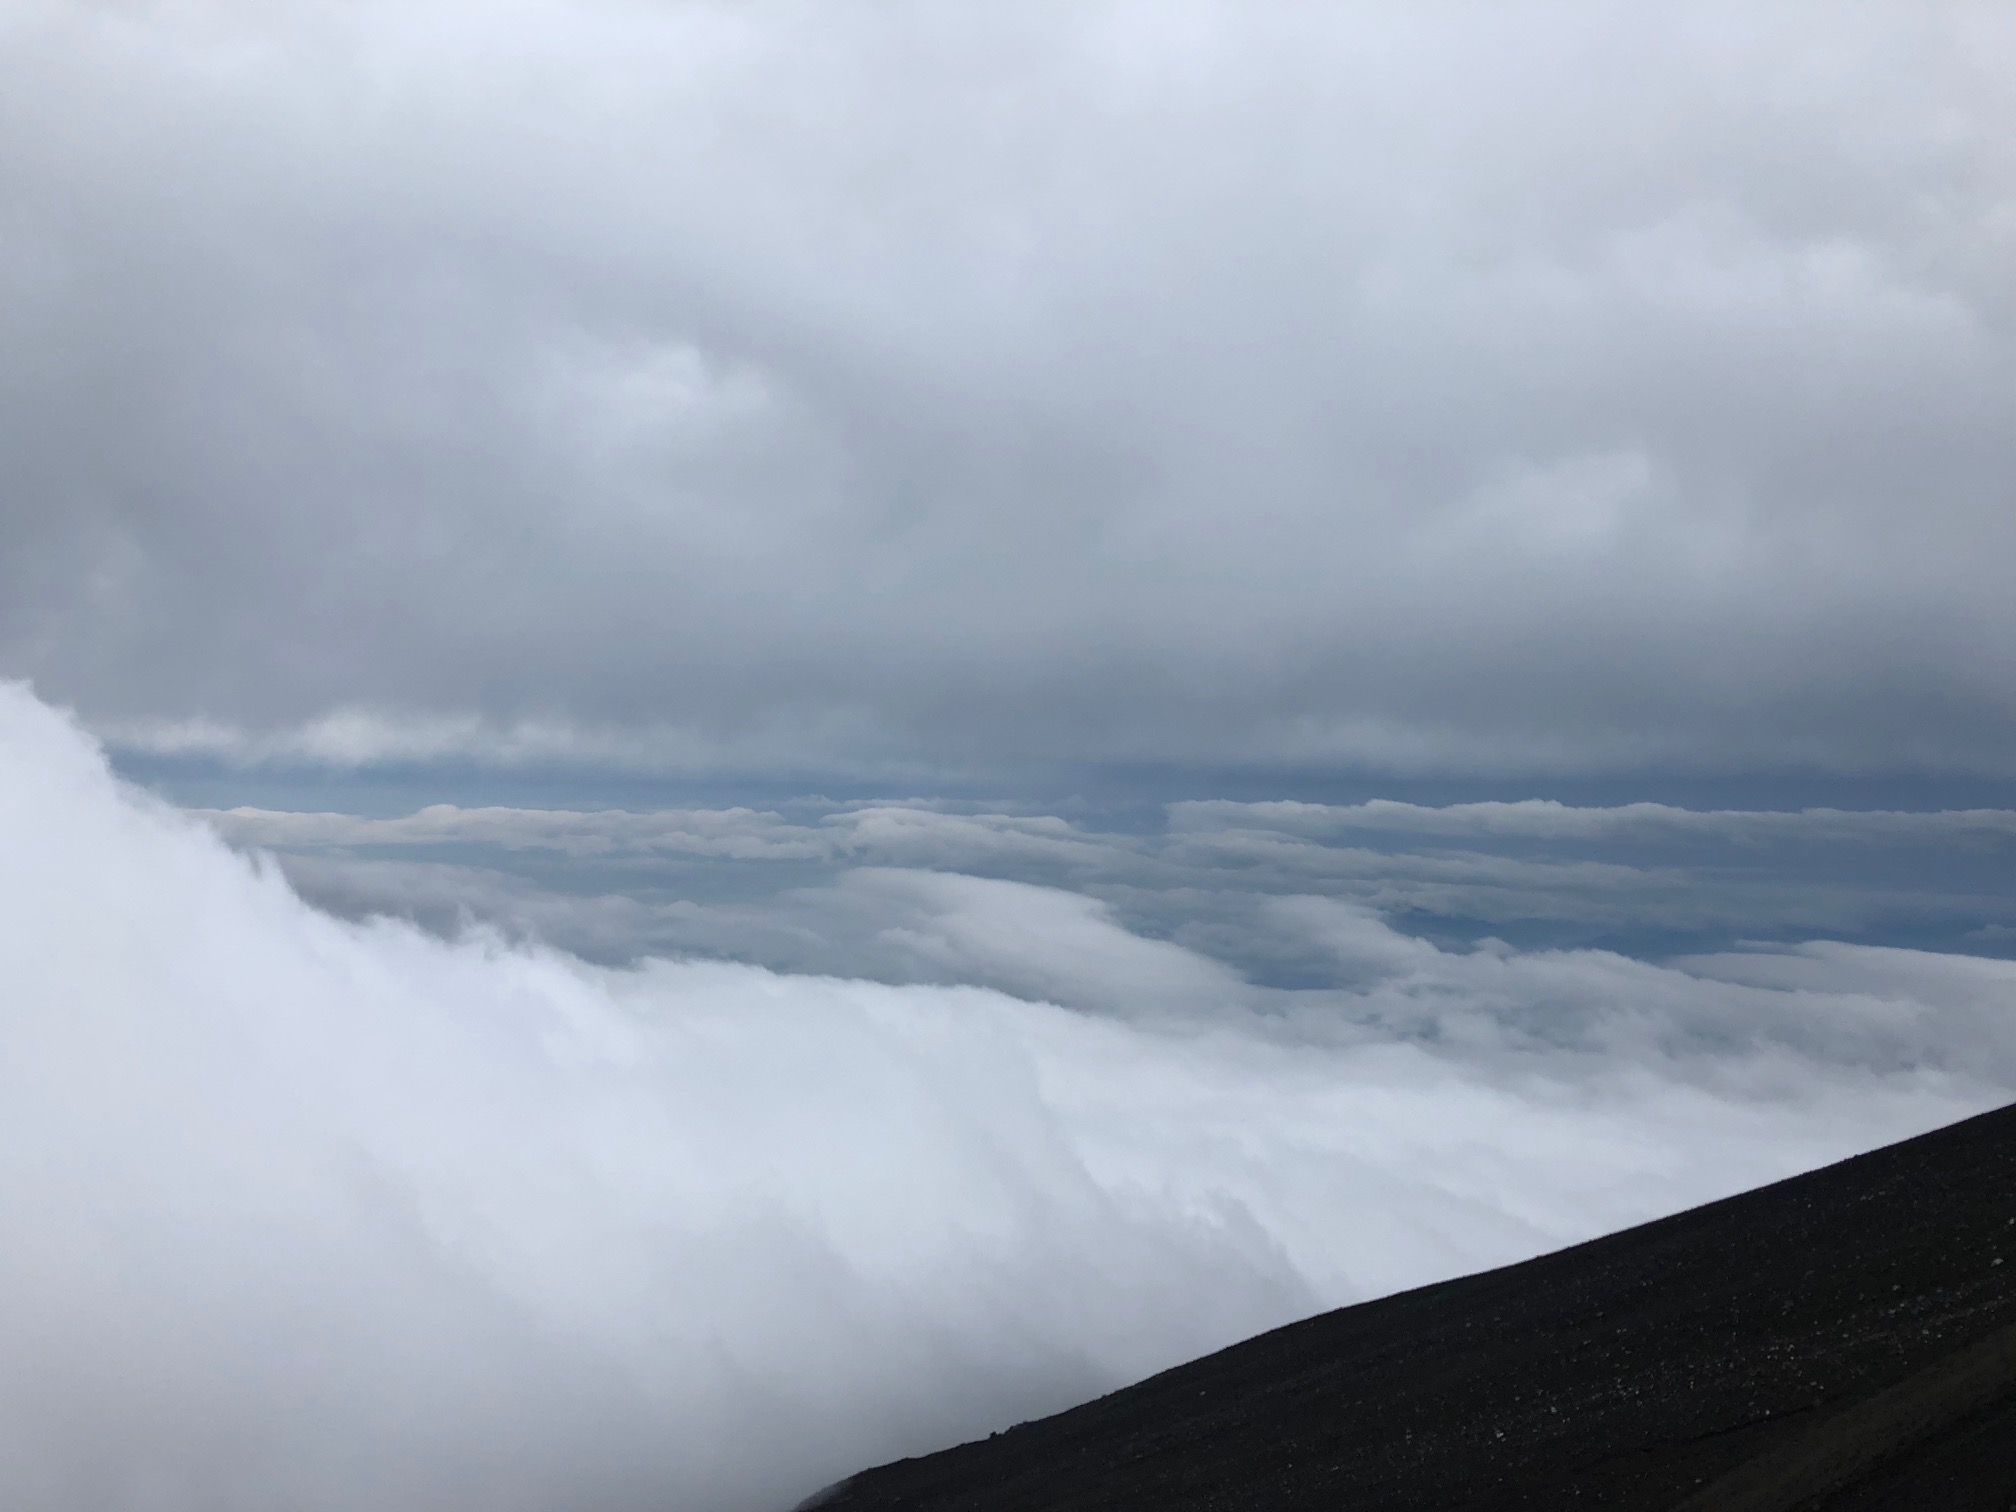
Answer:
(1844, 1341)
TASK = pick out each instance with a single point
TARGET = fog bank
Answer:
(324, 1215)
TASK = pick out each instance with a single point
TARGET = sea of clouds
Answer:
(911, 398)
(318, 1213)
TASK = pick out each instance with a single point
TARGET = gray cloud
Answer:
(901, 388)
(729, 834)
(1547, 819)
(939, 834)
(909, 892)
(911, 398)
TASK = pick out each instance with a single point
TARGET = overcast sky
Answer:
(1050, 682)
(919, 389)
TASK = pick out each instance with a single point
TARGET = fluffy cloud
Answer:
(896, 388)
(331, 1215)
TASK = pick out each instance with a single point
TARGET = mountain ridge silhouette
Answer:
(1841, 1341)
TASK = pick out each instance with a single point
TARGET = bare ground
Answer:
(1841, 1342)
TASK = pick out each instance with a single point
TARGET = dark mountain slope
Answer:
(1841, 1342)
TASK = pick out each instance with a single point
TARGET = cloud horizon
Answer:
(331, 1215)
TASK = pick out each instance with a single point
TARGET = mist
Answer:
(325, 1214)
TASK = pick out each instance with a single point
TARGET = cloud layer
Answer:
(917, 398)
(903, 388)
(331, 1215)
(815, 885)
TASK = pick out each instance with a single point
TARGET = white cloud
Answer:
(335, 1216)
(1038, 943)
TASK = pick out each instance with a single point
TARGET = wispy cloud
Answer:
(1546, 819)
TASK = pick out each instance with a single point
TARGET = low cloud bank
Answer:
(1545, 819)
(839, 888)
(326, 1215)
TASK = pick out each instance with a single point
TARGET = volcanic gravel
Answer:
(1844, 1341)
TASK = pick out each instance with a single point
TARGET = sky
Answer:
(738, 738)
(911, 389)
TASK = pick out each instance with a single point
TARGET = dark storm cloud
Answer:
(1535, 386)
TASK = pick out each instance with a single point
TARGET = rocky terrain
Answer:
(1844, 1341)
